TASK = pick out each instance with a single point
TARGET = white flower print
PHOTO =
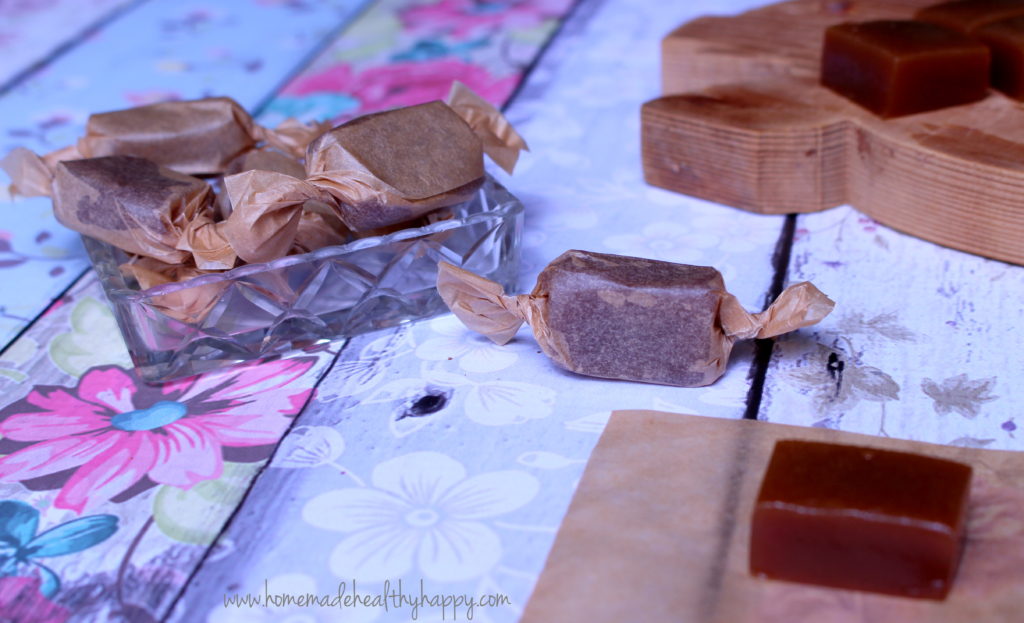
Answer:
(421, 511)
(475, 352)
(668, 241)
(498, 403)
(739, 235)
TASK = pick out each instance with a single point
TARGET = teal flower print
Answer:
(20, 546)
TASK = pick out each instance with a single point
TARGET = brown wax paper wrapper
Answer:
(196, 137)
(389, 167)
(659, 531)
(131, 203)
(628, 318)
(187, 304)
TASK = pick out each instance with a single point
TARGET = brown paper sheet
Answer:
(659, 530)
(483, 306)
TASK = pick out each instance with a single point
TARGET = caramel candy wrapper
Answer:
(195, 137)
(130, 203)
(190, 304)
(390, 167)
(628, 318)
(372, 174)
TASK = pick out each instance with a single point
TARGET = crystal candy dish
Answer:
(299, 301)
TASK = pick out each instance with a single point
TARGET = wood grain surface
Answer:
(745, 123)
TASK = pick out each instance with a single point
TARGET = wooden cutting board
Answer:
(745, 123)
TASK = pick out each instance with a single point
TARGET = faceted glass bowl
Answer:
(300, 301)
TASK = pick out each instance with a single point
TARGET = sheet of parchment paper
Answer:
(660, 525)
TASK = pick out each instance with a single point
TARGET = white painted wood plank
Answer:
(926, 338)
(407, 415)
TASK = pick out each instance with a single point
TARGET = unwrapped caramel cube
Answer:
(628, 318)
(968, 15)
(860, 518)
(1005, 40)
(902, 67)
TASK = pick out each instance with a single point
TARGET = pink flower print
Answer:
(404, 84)
(113, 436)
(20, 600)
(464, 18)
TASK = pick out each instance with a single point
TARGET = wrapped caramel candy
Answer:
(370, 175)
(129, 202)
(628, 318)
(388, 167)
(196, 137)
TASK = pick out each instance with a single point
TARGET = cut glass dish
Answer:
(302, 301)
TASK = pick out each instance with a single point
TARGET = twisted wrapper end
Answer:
(205, 240)
(799, 305)
(481, 304)
(266, 209)
(500, 140)
(29, 173)
(291, 136)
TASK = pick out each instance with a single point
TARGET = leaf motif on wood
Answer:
(497, 403)
(591, 423)
(960, 394)
(873, 384)
(836, 382)
(94, 340)
(309, 446)
(886, 325)
(14, 358)
(196, 515)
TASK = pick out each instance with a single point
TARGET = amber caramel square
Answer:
(860, 518)
(902, 67)
(1005, 40)
(968, 15)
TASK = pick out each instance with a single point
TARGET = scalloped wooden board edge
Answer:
(744, 123)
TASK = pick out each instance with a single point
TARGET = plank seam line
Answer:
(71, 43)
(53, 301)
(563, 21)
(763, 348)
(312, 55)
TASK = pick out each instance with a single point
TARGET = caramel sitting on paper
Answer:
(659, 530)
(628, 318)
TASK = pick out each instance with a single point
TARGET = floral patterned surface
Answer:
(111, 490)
(408, 52)
(930, 355)
(33, 29)
(431, 454)
(428, 455)
(162, 51)
(156, 470)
